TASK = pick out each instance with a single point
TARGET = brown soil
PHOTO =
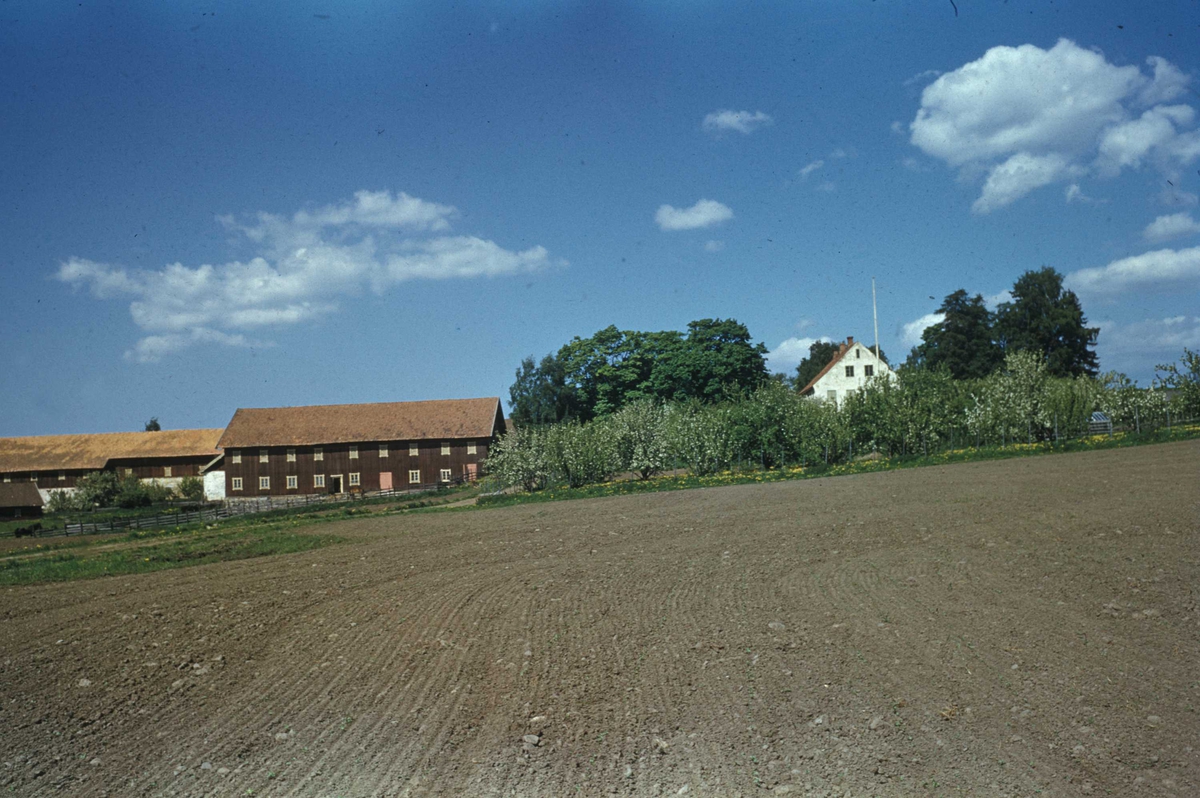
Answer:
(996, 628)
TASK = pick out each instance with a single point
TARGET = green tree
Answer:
(962, 342)
(1048, 320)
(152, 425)
(716, 357)
(191, 488)
(1183, 380)
(541, 394)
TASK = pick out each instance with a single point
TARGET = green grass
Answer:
(178, 550)
(755, 476)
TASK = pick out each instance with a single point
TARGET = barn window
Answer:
(237, 483)
(318, 453)
(291, 455)
(413, 451)
(264, 483)
(33, 476)
(293, 482)
(166, 471)
(383, 450)
(445, 448)
(235, 456)
(849, 371)
(263, 456)
(868, 371)
(128, 472)
(414, 477)
(7, 478)
(353, 452)
(318, 480)
(355, 479)
(445, 475)
(471, 448)
(62, 476)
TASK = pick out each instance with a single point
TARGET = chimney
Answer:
(849, 340)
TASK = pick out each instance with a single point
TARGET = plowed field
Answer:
(997, 628)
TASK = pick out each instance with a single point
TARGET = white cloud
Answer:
(714, 245)
(740, 121)
(910, 334)
(921, 77)
(1138, 346)
(1074, 193)
(704, 213)
(1016, 177)
(809, 168)
(1160, 270)
(304, 264)
(1029, 117)
(789, 353)
(1173, 226)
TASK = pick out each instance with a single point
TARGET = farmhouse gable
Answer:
(847, 371)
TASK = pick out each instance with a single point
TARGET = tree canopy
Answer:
(1042, 317)
(152, 425)
(599, 375)
(819, 354)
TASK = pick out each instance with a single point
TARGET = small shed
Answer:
(20, 500)
(1100, 424)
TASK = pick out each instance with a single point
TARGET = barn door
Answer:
(471, 471)
(385, 480)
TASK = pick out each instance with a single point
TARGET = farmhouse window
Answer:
(445, 475)
(166, 471)
(858, 353)
(413, 451)
(868, 371)
(355, 479)
(414, 477)
(849, 371)
(128, 472)
(263, 456)
(353, 452)
(832, 396)
(235, 456)
(291, 455)
(264, 483)
(383, 450)
(318, 480)
(237, 483)
(445, 448)
(293, 482)
(62, 476)
(318, 453)
(471, 448)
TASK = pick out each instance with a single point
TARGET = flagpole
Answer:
(875, 313)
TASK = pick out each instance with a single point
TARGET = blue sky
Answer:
(232, 205)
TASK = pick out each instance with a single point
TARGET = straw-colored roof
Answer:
(93, 451)
(20, 494)
(382, 421)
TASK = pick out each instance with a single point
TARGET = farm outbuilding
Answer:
(56, 462)
(289, 451)
(847, 371)
(20, 500)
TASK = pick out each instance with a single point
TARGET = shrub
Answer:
(192, 489)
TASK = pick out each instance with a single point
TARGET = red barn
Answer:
(288, 451)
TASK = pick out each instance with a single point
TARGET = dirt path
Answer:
(996, 628)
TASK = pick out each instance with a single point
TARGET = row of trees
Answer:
(918, 412)
(591, 377)
(971, 341)
(107, 489)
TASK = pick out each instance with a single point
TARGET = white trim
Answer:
(291, 455)
(445, 449)
(355, 479)
(318, 480)
(236, 483)
(472, 448)
(413, 450)
(235, 456)
(293, 482)
(446, 475)
(264, 456)
(414, 476)
(264, 483)
(318, 453)
(353, 451)
(383, 450)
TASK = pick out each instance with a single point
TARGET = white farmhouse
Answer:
(848, 371)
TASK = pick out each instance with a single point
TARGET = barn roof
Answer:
(20, 494)
(381, 421)
(91, 451)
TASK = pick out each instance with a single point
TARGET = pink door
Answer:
(385, 480)
(471, 471)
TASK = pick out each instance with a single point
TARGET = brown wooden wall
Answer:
(429, 461)
(147, 468)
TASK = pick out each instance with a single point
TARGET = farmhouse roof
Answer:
(381, 421)
(20, 494)
(94, 450)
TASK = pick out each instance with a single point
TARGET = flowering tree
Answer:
(639, 431)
